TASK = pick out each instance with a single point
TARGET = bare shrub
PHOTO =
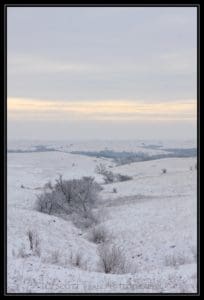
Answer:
(112, 259)
(164, 171)
(98, 234)
(110, 177)
(76, 259)
(176, 259)
(45, 202)
(34, 242)
(31, 239)
(121, 177)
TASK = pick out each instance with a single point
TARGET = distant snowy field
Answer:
(152, 217)
(98, 145)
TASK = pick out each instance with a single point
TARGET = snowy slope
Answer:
(152, 217)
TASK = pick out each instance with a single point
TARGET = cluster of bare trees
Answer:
(76, 196)
(110, 177)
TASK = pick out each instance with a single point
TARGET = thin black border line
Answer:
(198, 149)
(198, 145)
(104, 5)
(5, 146)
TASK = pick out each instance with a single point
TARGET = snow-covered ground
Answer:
(152, 217)
(99, 145)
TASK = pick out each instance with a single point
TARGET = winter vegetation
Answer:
(164, 170)
(110, 177)
(124, 157)
(113, 260)
(79, 223)
(34, 242)
(70, 197)
(99, 234)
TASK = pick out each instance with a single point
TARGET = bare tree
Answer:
(110, 177)
(70, 196)
(107, 175)
(101, 169)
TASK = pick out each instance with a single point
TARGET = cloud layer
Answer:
(124, 65)
(101, 110)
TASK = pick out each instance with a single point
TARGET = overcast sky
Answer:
(101, 72)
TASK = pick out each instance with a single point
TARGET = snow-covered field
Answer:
(98, 145)
(152, 217)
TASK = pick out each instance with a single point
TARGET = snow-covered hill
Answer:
(152, 217)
